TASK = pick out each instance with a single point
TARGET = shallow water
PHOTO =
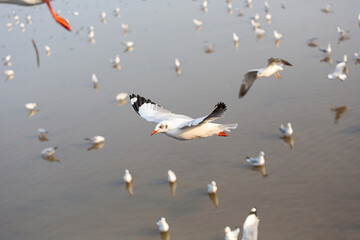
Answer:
(311, 192)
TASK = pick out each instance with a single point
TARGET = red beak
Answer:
(153, 132)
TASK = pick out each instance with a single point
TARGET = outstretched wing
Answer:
(149, 110)
(247, 82)
(278, 61)
(217, 112)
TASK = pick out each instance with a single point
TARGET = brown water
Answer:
(311, 192)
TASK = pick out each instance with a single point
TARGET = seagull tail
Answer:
(228, 127)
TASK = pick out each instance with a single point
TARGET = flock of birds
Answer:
(182, 127)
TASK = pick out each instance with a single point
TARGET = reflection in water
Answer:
(260, 169)
(128, 49)
(277, 43)
(97, 146)
(209, 49)
(311, 43)
(342, 38)
(288, 140)
(120, 103)
(33, 112)
(173, 186)
(50, 158)
(327, 59)
(214, 198)
(165, 236)
(129, 188)
(339, 111)
(43, 138)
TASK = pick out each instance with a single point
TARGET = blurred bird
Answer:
(163, 226)
(129, 46)
(177, 66)
(340, 71)
(268, 18)
(127, 176)
(116, 62)
(342, 32)
(310, 42)
(28, 19)
(198, 24)
(7, 60)
(327, 9)
(326, 50)
(204, 6)
(273, 67)
(47, 152)
(283, 5)
(9, 74)
(125, 27)
(117, 12)
(231, 235)
(171, 176)
(287, 131)
(96, 139)
(103, 17)
(236, 39)
(48, 50)
(41, 132)
(31, 106)
(212, 188)
(250, 226)
(209, 48)
(121, 97)
(94, 80)
(277, 35)
(267, 8)
(257, 161)
(248, 3)
(91, 35)
(357, 58)
(339, 111)
(255, 24)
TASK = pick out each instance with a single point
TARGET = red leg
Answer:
(57, 18)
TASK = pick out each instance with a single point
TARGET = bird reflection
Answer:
(327, 59)
(173, 186)
(32, 112)
(277, 43)
(339, 111)
(97, 146)
(129, 188)
(260, 169)
(357, 61)
(288, 140)
(50, 158)
(9, 77)
(311, 43)
(214, 198)
(43, 138)
(165, 236)
(122, 102)
(178, 71)
(128, 49)
(209, 49)
(342, 38)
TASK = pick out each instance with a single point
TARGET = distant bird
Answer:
(57, 18)
(267, 8)
(259, 32)
(204, 6)
(76, 13)
(287, 131)
(255, 24)
(171, 176)
(103, 17)
(250, 226)
(209, 48)
(340, 71)
(248, 3)
(31, 106)
(125, 27)
(231, 235)
(357, 58)
(128, 44)
(91, 35)
(310, 42)
(47, 152)
(96, 139)
(198, 23)
(268, 18)
(283, 5)
(236, 38)
(127, 176)
(342, 32)
(121, 97)
(277, 35)
(116, 62)
(7, 60)
(339, 111)
(95, 80)
(117, 12)
(48, 50)
(273, 67)
(178, 126)
(257, 161)
(9, 74)
(229, 8)
(177, 66)
(212, 188)
(327, 9)
(28, 19)
(256, 17)
(163, 226)
(41, 132)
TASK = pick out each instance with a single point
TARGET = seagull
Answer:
(257, 161)
(163, 226)
(250, 227)
(41, 132)
(212, 188)
(96, 139)
(28, 19)
(31, 106)
(171, 176)
(236, 39)
(103, 17)
(310, 42)
(259, 32)
(255, 24)
(357, 58)
(128, 44)
(47, 152)
(57, 18)
(268, 18)
(116, 62)
(248, 3)
(274, 66)
(22, 26)
(204, 6)
(340, 71)
(127, 176)
(121, 97)
(342, 32)
(7, 60)
(177, 66)
(95, 80)
(117, 12)
(48, 50)
(125, 27)
(178, 126)
(198, 24)
(277, 35)
(9, 73)
(231, 235)
(327, 9)
(267, 8)
(287, 131)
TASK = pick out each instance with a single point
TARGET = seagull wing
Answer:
(339, 68)
(278, 61)
(217, 112)
(152, 112)
(247, 82)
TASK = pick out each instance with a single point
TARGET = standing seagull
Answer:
(274, 66)
(250, 227)
(178, 126)
(57, 18)
(231, 235)
(287, 131)
(163, 226)
(257, 161)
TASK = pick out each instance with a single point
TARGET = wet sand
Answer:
(311, 192)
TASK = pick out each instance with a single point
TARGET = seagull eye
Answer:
(161, 127)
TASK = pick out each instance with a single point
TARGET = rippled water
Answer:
(311, 192)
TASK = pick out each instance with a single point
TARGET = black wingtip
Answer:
(137, 101)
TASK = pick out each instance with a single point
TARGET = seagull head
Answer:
(227, 229)
(161, 127)
(261, 153)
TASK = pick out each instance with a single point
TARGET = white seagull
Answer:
(31, 106)
(236, 38)
(342, 32)
(277, 35)
(231, 235)
(9, 73)
(121, 97)
(287, 131)
(127, 176)
(326, 50)
(212, 188)
(171, 176)
(116, 62)
(47, 152)
(178, 126)
(95, 80)
(48, 50)
(96, 139)
(177, 66)
(128, 44)
(257, 161)
(340, 71)
(7, 60)
(163, 226)
(274, 66)
(41, 132)
(250, 227)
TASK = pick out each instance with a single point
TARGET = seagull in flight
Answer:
(178, 126)
(274, 66)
